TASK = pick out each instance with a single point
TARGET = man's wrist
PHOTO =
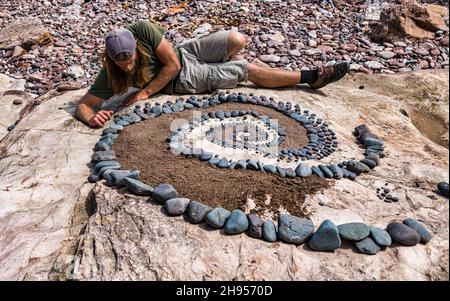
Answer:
(148, 92)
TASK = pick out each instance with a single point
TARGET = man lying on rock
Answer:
(141, 57)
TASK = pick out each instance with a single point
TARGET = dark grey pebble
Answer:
(197, 212)
(255, 225)
(292, 229)
(102, 164)
(252, 165)
(403, 234)
(269, 231)
(371, 164)
(367, 246)
(104, 156)
(102, 170)
(223, 163)
(188, 105)
(236, 223)
(303, 170)
(369, 141)
(380, 236)
(206, 156)
(101, 146)
(163, 193)
(241, 164)
(281, 171)
(176, 206)
(326, 237)
(443, 189)
(336, 170)
(115, 177)
(216, 218)
(356, 167)
(270, 168)
(214, 160)
(354, 231)
(425, 236)
(290, 173)
(374, 157)
(137, 186)
(317, 171)
(93, 178)
(326, 171)
(348, 174)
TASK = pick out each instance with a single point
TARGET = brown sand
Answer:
(143, 147)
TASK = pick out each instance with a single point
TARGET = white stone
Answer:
(295, 52)
(269, 58)
(387, 54)
(355, 67)
(278, 37)
(75, 71)
(374, 65)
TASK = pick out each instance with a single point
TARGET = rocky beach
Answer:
(357, 188)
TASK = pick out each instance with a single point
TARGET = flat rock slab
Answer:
(13, 99)
(43, 177)
(45, 183)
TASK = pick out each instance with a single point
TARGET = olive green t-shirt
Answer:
(149, 35)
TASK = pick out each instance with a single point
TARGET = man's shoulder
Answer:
(144, 24)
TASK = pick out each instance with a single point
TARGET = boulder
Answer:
(24, 32)
(410, 20)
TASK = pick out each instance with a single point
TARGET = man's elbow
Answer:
(175, 67)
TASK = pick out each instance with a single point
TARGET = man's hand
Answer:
(136, 97)
(100, 118)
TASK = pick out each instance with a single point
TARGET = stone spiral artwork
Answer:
(225, 139)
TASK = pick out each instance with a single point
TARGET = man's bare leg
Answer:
(277, 78)
(236, 42)
(271, 77)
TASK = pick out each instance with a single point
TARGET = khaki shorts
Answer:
(205, 66)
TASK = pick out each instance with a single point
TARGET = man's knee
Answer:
(236, 40)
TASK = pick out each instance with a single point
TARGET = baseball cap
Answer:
(120, 41)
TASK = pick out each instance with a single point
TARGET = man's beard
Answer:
(132, 72)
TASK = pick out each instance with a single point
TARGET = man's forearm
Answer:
(84, 112)
(165, 75)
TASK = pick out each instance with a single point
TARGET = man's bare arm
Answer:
(171, 66)
(85, 111)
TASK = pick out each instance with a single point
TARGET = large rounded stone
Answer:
(216, 218)
(295, 230)
(443, 189)
(326, 171)
(164, 192)
(255, 226)
(425, 236)
(380, 236)
(137, 186)
(338, 173)
(354, 231)
(303, 170)
(197, 212)
(316, 170)
(326, 238)
(236, 223)
(403, 234)
(371, 164)
(269, 231)
(176, 206)
(367, 246)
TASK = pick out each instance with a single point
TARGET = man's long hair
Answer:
(119, 80)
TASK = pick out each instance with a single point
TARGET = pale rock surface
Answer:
(46, 200)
